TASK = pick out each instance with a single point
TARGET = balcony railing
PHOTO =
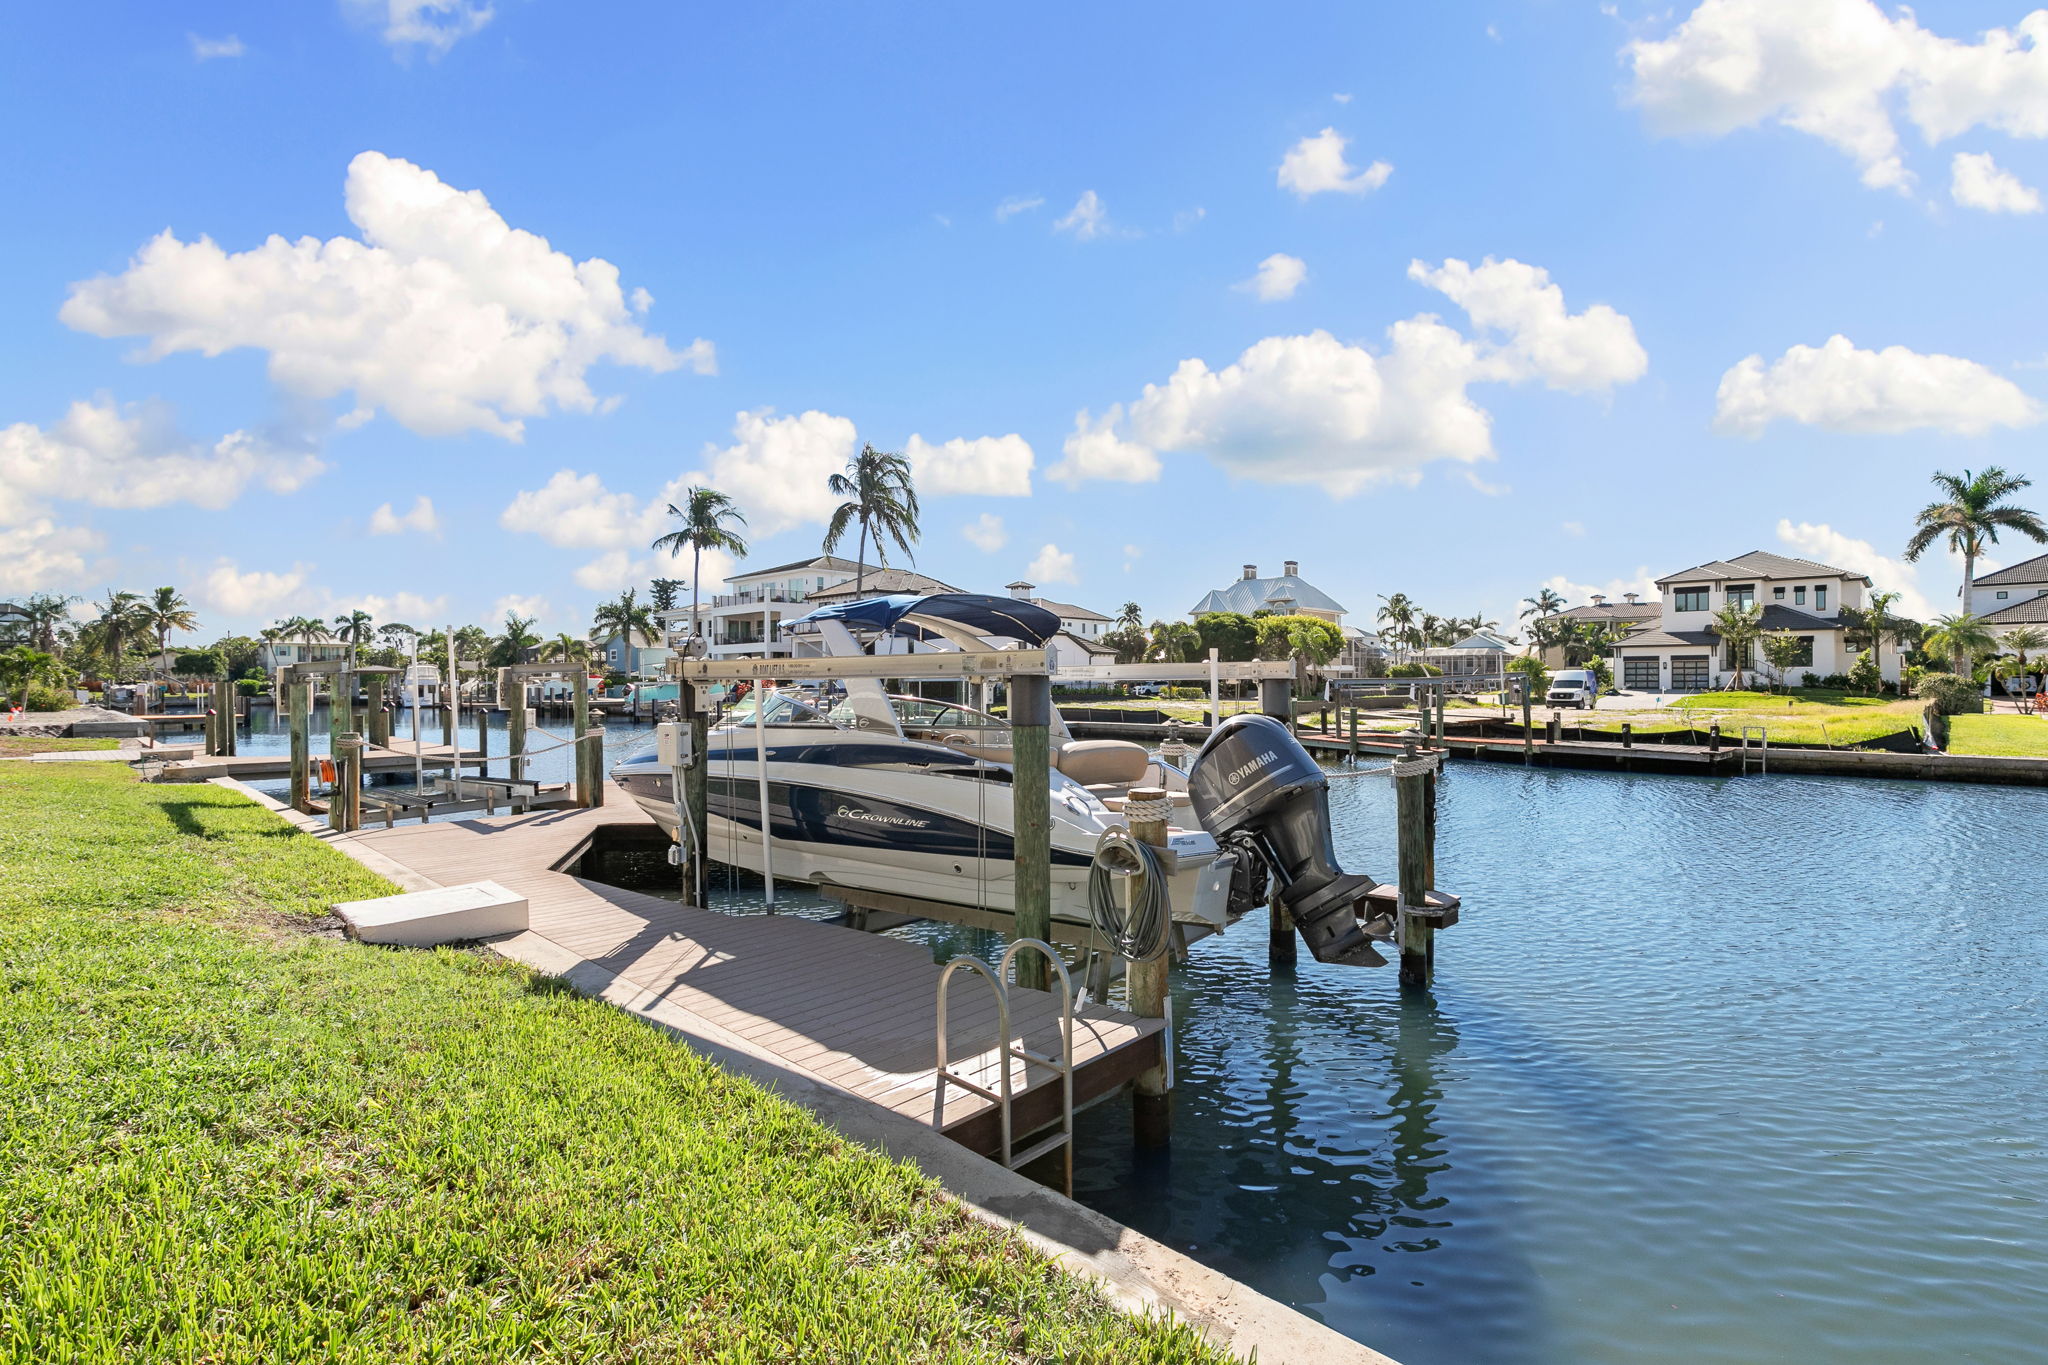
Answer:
(743, 599)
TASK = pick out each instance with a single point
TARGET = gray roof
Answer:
(1762, 564)
(2033, 570)
(2028, 611)
(1248, 595)
(879, 583)
(1774, 618)
(829, 563)
(1092, 646)
(1615, 611)
(1068, 611)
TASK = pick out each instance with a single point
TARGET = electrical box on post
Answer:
(672, 744)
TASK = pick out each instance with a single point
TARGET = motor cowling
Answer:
(1254, 786)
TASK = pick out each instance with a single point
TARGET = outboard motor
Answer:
(1252, 785)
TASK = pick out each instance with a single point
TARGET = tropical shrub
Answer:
(1531, 667)
(1864, 674)
(41, 697)
(1950, 695)
(1414, 671)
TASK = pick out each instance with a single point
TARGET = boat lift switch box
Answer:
(672, 744)
(447, 914)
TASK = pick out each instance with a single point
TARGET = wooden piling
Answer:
(379, 715)
(344, 802)
(1628, 735)
(300, 701)
(589, 780)
(1145, 990)
(1415, 933)
(1552, 728)
(512, 696)
(1714, 738)
(1528, 725)
(697, 793)
(1031, 819)
(1352, 726)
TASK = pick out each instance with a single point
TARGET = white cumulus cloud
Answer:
(1839, 387)
(422, 518)
(441, 314)
(777, 467)
(1279, 275)
(209, 49)
(986, 533)
(1843, 71)
(112, 455)
(432, 26)
(1316, 165)
(1315, 410)
(577, 511)
(994, 466)
(1822, 543)
(1977, 182)
(1052, 565)
(1642, 583)
(522, 604)
(38, 554)
(257, 592)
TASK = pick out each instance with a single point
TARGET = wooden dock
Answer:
(854, 1010)
(397, 757)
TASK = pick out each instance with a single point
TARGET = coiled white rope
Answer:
(1158, 808)
(1143, 936)
(1422, 765)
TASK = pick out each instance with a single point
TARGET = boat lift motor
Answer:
(1255, 787)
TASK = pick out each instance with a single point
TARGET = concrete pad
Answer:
(446, 914)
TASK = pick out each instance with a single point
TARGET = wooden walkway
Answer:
(856, 1010)
(258, 767)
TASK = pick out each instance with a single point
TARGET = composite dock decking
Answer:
(855, 1010)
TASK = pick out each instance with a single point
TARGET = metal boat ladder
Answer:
(1763, 747)
(1012, 1049)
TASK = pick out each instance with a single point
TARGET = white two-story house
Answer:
(2014, 597)
(1680, 652)
(743, 622)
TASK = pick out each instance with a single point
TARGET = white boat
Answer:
(911, 796)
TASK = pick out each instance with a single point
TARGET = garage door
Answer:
(1640, 675)
(1689, 674)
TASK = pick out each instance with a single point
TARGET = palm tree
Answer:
(1738, 627)
(1397, 612)
(1963, 637)
(1130, 616)
(1175, 642)
(46, 611)
(352, 628)
(624, 617)
(510, 647)
(565, 648)
(880, 497)
(1546, 603)
(705, 512)
(1971, 518)
(2024, 640)
(164, 611)
(120, 617)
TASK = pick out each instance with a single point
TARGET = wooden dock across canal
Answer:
(397, 757)
(855, 1010)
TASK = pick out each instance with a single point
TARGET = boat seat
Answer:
(1103, 762)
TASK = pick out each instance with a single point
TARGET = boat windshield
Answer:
(782, 709)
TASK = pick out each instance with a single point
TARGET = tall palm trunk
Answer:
(696, 578)
(1969, 573)
(860, 572)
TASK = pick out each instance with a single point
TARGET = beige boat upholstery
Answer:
(1104, 762)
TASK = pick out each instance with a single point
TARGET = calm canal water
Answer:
(1716, 1070)
(1721, 1070)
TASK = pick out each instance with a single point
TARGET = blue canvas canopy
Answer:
(902, 614)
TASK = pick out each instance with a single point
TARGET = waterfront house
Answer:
(1679, 651)
(1081, 622)
(642, 656)
(272, 655)
(1481, 656)
(2009, 598)
(1285, 594)
(742, 621)
(1631, 613)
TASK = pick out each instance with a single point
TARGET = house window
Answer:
(1804, 659)
(1740, 594)
(1779, 594)
(1820, 597)
(2001, 597)
(1799, 597)
(1689, 673)
(1639, 675)
(1732, 659)
(1689, 599)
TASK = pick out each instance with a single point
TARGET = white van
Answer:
(1575, 687)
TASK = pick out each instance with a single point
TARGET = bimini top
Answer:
(905, 614)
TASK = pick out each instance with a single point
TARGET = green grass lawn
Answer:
(2000, 736)
(1798, 699)
(227, 1137)
(21, 746)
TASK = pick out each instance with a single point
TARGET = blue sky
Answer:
(1606, 209)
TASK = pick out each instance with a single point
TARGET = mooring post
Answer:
(378, 717)
(449, 696)
(1276, 700)
(299, 698)
(212, 731)
(1528, 725)
(587, 793)
(512, 696)
(1145, 989)
(1714, 738)
(344, 803)
(1031, 806)
(696, 794)
(1555, 727)
(228, 734)
(1443, 701)
(1353, 728)
(1628, 735)
(483, 743)
(1416, 935)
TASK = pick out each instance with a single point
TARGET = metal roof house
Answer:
(1287, 594)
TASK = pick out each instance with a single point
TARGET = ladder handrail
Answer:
(1009, 1048)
